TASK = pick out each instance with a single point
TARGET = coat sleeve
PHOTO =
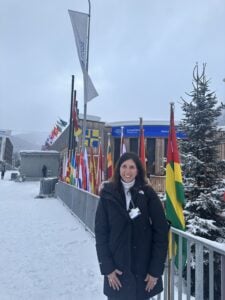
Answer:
(102, 239)
(160, 230)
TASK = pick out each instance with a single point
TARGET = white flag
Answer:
(87, 170)
(80, 29)
(122, 143)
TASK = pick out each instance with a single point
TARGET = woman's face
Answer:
(128, 170)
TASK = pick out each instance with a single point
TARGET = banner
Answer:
(80, 29)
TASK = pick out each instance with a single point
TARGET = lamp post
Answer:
(85, 88)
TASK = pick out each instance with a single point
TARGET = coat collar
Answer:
(108, 192)
(118, 198)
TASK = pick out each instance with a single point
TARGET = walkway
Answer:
(45, 252)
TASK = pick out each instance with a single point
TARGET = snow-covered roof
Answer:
(137, 122)
(90, 118)
(39, 152)
(4, 132)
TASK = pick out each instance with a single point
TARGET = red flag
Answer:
(109, 159)
(142, 145)
(56, 131)
(84, 171)
(100, 172)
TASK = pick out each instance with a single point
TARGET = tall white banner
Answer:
(80, 29)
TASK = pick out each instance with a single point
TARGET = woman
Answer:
(131, 234)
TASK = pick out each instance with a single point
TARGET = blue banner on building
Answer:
(153, 131)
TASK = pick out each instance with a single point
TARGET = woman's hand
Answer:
(114, 281)
(151, 282)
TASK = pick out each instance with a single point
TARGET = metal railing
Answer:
(179, 283)
(205, 259)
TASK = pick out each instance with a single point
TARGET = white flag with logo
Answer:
(80, 29)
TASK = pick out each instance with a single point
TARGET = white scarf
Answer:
(126, 187)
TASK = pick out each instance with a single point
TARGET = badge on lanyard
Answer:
(134, 213)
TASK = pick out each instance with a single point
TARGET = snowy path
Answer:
(45, 253)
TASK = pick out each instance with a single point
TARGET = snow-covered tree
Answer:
(202, 177)
(203, 182)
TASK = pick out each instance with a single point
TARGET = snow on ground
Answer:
(45, 253)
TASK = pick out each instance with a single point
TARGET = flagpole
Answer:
(85, 88)
(71, 108)
(121, 140)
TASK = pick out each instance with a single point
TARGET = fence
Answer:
(84, 205)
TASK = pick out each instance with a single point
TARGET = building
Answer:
(156, 139)
(6, 147)
(32, 162)
(94, 134)
(156, 136)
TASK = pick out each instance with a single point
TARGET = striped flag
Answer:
(80, 172)
(142, 145)
(109, 159)
(68, 168)
(174, 186)
(92, 171)
(73, 169)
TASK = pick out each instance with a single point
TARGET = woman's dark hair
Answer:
(140, 179)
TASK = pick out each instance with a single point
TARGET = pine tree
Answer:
(202, 175)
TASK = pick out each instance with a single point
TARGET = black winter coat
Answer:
(136, 247)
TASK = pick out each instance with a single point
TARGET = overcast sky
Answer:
(142, 54)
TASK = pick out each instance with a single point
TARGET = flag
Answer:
(73, 169)
(64, 167)
(174, 187)
(122, 144)
(109, 160)
(80, 29)
(92, 172)
(142, 145)
(56, 131)
(87, 173)
(77, 129)
(100, 171)
(68, 169)
(80, 172)
(59, 127)
(62, 122)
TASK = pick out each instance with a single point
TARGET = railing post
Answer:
(222, 277)
(180, 266)
(167, 279)
(188, 270)
(211, 275)
(199, 271)
(172, 272)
